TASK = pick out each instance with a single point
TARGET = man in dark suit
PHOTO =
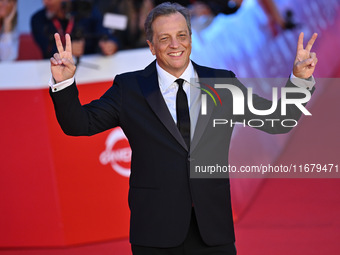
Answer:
(159, 111)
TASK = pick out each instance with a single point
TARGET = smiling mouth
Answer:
(175, 54)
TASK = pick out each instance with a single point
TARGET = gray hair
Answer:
(165, 9)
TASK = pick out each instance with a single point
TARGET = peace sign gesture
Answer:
(305, 61)
(62, 64)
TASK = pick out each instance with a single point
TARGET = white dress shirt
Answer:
(169, 89)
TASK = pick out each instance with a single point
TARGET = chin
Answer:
(180, 65)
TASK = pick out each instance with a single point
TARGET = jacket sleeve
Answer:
(278, 121)
(85, 120)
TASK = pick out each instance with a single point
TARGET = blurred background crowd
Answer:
(103, 26)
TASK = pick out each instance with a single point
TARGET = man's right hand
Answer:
(62, 64)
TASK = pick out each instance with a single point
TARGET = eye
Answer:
(163, 39)
(182, 36)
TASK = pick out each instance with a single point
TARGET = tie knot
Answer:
(180, 82)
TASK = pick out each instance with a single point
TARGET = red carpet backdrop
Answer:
(68, 195)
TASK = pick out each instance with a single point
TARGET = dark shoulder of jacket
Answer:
(39, 15)
(218, 73)
(127, 78)
(129, 75)
(224, 73)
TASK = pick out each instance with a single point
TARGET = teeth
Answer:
(175, 54)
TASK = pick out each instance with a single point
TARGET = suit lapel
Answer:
(203, 120)
(148, 83)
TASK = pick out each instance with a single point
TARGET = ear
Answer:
(151, 47)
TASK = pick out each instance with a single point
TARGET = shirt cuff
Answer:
(61, 85)
(303, 83)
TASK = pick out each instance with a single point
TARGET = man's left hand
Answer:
(305, 60)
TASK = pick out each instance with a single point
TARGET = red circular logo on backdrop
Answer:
(117, 152)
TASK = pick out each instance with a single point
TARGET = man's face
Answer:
(171, 43)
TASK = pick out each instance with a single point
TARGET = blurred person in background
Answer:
(277, 21)
(219, 6)
(133, 36)
(9, 37)
(78, 18)
(210, 8)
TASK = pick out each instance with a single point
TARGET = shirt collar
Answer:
(166, 79)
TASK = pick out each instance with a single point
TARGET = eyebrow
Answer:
(181, 31)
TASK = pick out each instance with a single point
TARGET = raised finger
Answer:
(58, 43)
(314, 58)
(57, 57)
(305, 63)
(68, 47)
(69, 63)
(312, 55)
(53, 61)
(311, 41)
(300, 42)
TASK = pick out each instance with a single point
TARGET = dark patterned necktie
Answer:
(182, 111)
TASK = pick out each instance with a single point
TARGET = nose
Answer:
(174, 43)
